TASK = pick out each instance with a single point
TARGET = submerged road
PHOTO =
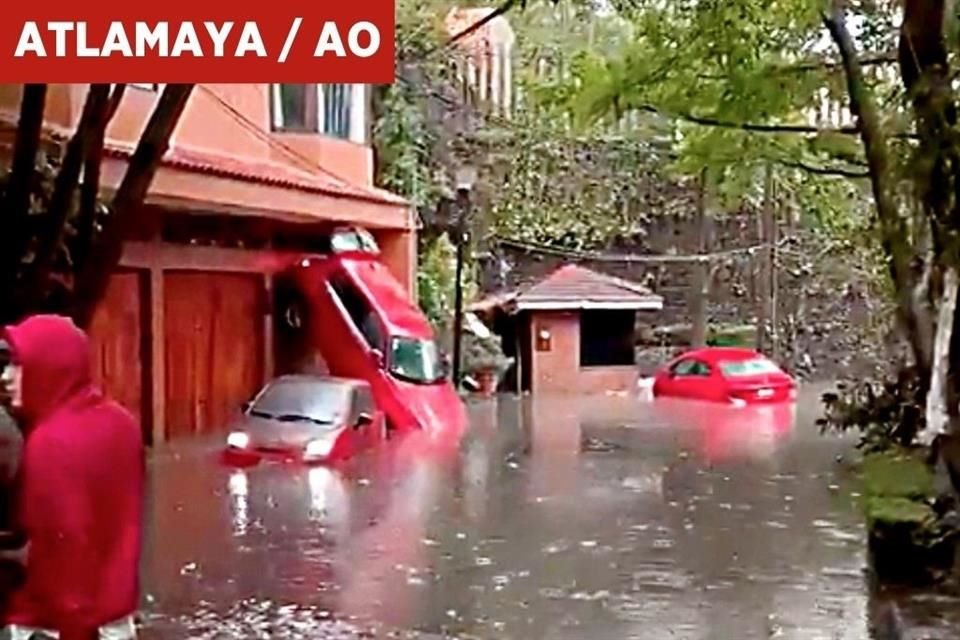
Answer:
(607, 519)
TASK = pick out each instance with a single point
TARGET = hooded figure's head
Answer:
(53, 358)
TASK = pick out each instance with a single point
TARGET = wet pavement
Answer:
(605, 518)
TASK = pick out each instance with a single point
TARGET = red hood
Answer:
(55, 357)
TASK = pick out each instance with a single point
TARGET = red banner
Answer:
(197, 41)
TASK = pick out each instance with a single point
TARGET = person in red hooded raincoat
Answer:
(80, 497)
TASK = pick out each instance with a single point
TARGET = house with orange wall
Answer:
(256, 173)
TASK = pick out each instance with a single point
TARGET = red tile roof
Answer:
(574, 287)
(264, 172)
(578, 287)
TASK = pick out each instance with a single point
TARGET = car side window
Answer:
(361, 314)
(691, 368)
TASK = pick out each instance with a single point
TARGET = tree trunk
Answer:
(765, 308)
(17, 203)
(953, 375)
(938, 403)
(90, 189)
(92, 281)
(774, 274)
(925, 70)
(51, 233)
(700, 293)
(894, 233)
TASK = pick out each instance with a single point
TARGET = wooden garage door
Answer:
(116, 343)
(213, 344)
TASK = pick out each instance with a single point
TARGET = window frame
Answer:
(337, 283)
(357, 129)
(607, 338)
(771, 368)
(708, 370)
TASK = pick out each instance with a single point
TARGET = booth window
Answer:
(607, 338)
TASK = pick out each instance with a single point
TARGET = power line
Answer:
(629, 258)
(265, 136)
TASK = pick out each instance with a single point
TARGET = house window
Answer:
(607, 338)
(336, 110)
(295, 107)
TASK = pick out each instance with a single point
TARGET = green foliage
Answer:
(908, 539)
(897, 473)
(47, 167)
(711, 69)
(603, 142)
(484, 354)
(436, 283)
(404, 143)
(403, 135)
(436, 277)
(887, 414)
(898, 490)
(882, 511)
(558, 189)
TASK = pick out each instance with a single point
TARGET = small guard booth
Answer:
(572, 332)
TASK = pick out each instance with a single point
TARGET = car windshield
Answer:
(353, 239)
(743, 368)
(322, 403)
(416, 360)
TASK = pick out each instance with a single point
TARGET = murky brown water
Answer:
(558, 519)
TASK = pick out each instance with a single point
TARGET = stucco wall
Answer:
(232, 119)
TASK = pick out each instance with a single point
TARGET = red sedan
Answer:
(724, 374)
(312, 419)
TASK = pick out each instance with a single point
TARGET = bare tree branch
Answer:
(119, 90)
(17, 202)
(826, 171)
(745, 126)
(51, 233)
(94, 277)
(479, 24)
(90, 188)
(879, 59)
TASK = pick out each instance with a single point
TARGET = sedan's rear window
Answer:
(743, 368)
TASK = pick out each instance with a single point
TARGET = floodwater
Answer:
(608, 518)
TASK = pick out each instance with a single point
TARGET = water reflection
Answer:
(556, 518)
(239, 492)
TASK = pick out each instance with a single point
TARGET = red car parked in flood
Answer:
(724, 374)
(350, 309)
(305, 418)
